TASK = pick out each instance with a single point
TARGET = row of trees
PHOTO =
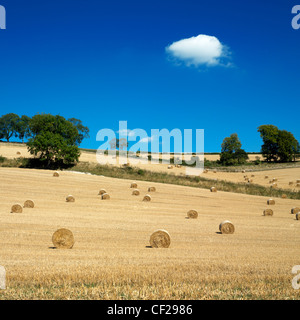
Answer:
(24, 127)
(53, 139)
(278, 145)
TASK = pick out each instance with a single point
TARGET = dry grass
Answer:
(111, 258)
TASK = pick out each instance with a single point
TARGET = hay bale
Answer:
(192, 214)
(215, 171)
(147, 198)
(213, 189)
(18, 153)
(151, 189)
(160, 239)
(70, 198)
(205, 171)
(252, 175)
(250, 180)
(275, 179)
(291, 183)
(298, 185)
(274, 185)
(266, 177)
(284, 196)
(28, 204)
(63, 239)
(16, 208)
(298, 216)
(170, 167)
(133, 185)
(295, 210)
(105, 196)
(226, 227)
(101, 192)
(135, 192)
(243, 171)
(271, 202)
(268, 212)
(298, 181)
(55, 174)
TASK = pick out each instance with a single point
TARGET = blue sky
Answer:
(106, 61)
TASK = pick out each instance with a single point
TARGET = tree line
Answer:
(278, 146)
(53, 139)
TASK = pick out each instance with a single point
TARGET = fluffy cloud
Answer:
(199, 51)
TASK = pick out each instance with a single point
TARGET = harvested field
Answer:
(111, 257)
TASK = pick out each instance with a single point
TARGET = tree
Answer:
(269, 135)
(287, 146)
(82, 130)
(231, 152)
(23, 128)
(118, 143)
(8, 126)
(54, 140)
(278, 145)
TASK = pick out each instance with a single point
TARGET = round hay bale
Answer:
(101, 192)
(147, 198)
(297, 184)
(266, 177)
(243, 171)
(252, 175)
(133, 185)
(274, 185)
(295, 210)
(63, 239)
(160, 239)
(268, 212)
(192, 214)
(70, 198)
(213, 189)
(205, 171)
(275, 179)
(226, 227)
(55, 174)
(291, 183)
(18, 153)
(250, 180)
(215, 171)
(105, 196)
(28, 204)
(298, 181)
(284, 196)
(271, 202)
(135, 192)
(170, 167)
(151, 189)
(298, 216)
(16, 208)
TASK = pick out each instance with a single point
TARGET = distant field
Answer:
(111, 258)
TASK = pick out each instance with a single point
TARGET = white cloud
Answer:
(146, 140)
(126, 132)
(199, 51)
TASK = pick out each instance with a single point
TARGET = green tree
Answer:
(9, 126)
(278, 145)
(269, 135)
(54, 140)
(23, 128)
(232, 152)
(83, 132)
(287, 146)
